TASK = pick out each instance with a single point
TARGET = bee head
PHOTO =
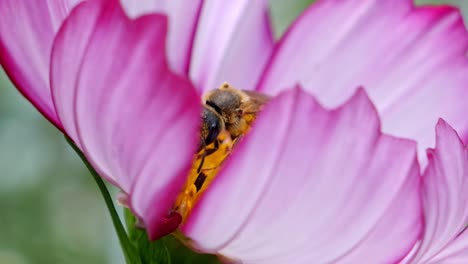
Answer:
(227, 103)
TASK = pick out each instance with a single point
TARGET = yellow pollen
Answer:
(200, 178)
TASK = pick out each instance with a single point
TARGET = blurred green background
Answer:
(50, 208)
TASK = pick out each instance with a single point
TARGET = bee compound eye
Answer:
(213, 132)
(211, 127)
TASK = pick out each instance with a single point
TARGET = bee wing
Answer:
(255, 102)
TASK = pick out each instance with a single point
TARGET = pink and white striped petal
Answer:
(27, 29)
(445, 199)
(327, 190)
(183, 18)
(232, 44)
(455, 253)
(410, 60)
(129, 112)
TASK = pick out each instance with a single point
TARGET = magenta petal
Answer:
(183, 18)
(314, 186)
(136, 121)
(445, 198)
(410, 60)
(232, 44)
(27, 29)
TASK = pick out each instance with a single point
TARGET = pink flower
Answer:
(308, 184)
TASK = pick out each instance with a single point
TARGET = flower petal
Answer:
(136, 121)
(329, 188)
(456, 252)
(232, 43)
(27, 29)
(445, 199)
(183, 18)
(410, 60)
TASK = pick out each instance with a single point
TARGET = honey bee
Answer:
(235, 109)
(227, 116)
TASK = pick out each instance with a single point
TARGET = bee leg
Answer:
(201, 162)
(202, 158)
(212, 150)
(200, 181)
(208, 169)
(207, 152)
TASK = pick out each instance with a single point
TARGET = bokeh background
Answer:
(50, 208)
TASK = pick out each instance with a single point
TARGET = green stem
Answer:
(130, 254)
